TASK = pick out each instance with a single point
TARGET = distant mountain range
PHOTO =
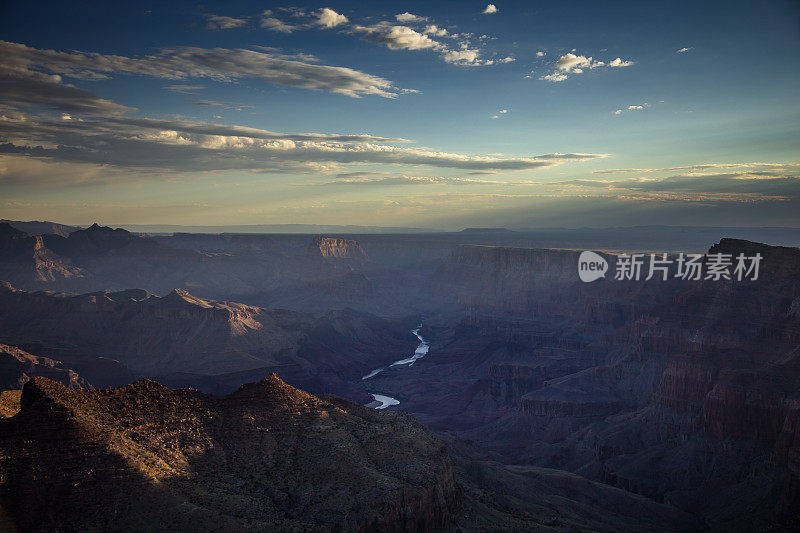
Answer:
(36, 227)
(666, 238)
(271, 228)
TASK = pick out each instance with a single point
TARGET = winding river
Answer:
(420, 352)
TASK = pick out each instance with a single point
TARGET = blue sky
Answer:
(445, 114)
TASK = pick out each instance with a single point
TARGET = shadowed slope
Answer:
(266, 456)
(272, 457)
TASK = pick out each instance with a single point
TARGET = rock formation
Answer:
(335, 248)
(27, 260)
(682, 392)
(267, 457)
(36, 227)
(17, 367)
(271, 457)
(181, 338)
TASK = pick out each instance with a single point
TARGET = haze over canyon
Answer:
(679, 397)
(387, 267)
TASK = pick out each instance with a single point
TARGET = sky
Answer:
(413, 114)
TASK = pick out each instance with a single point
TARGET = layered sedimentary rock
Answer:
(723, 412)
(27, 260)
(300, 272)
(681, 391)
(118, 259)
(335, 248)
(180, 338)
(17, 367)
(541, 284)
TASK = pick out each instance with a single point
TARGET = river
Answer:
(420, 352)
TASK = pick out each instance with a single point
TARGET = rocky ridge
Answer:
(267, 456)
(271, 457)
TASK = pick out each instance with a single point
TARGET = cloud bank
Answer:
(24, 68)
(181, 146)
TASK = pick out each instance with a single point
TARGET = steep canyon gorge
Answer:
(541, 401)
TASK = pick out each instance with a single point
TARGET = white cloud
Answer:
(404, 179)
(750, 185)
(187, 89)
(504, 111)
(571, 63)
(433, 29)
(408, 17)
(539, 54)
(683, 50)
(465, 55)
(180, 146)
(635, 107)
(618, 62)
(219, 22)
(508, 59)
(224, 105)
(328, 18)
(794, 167)
(28, 67)
(491, 8)
(396, 37)
(554, 77)
(269, 22)
(469, 57)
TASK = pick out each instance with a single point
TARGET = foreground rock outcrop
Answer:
(269, 456)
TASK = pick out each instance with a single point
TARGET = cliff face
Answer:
(336, 248)
(541, 284)
(676, 390)
(740, 369)
(181, 338)
(136, 326)
(95, 240)
(17, 367)
(291, 271)
(27, 260)
(266, 457)
(725, 408)
(117, 259)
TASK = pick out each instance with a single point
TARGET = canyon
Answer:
(683, 395)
